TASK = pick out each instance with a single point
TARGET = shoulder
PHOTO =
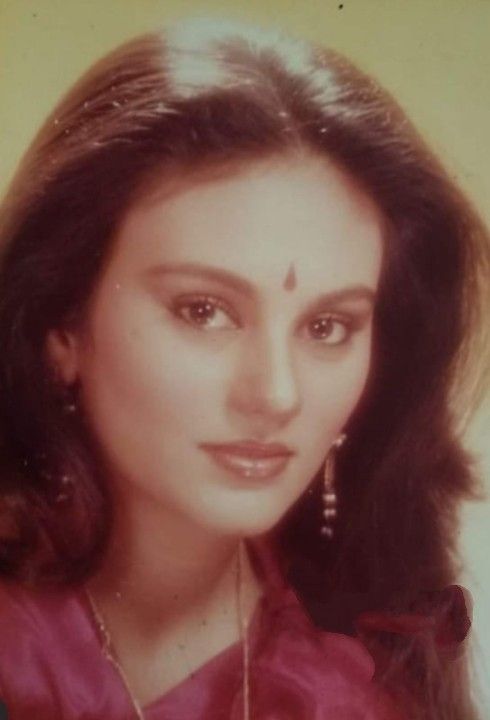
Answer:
(307, 672)
(50, 659)
(39, 630)
(301, 672)
(35, 612)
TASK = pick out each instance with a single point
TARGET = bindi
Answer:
(290, 280)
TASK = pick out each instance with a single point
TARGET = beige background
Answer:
(433, 54)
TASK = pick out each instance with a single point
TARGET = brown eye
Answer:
(201, 312)
(204, 312)
(329, 329)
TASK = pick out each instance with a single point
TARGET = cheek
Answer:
(141, 378)
(334, 389)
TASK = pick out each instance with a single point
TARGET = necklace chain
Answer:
(242, 620)
(108, 649)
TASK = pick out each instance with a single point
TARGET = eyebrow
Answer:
(245, 287)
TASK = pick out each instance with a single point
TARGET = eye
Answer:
(330, 330)
(205, 312)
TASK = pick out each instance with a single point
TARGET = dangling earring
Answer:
(67, 397)
(69, 404)
(59, 486)
(65, 489)
(329, 495)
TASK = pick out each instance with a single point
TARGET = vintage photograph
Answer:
(245, 360)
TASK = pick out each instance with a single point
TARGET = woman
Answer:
(238, 297)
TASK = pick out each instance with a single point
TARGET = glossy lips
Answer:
(249, 459)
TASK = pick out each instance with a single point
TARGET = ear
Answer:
(62, 354)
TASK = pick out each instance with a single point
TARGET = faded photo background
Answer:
(433, 55)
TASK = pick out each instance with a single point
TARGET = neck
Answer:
(159, 567)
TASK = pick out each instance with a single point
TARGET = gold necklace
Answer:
(109, 652)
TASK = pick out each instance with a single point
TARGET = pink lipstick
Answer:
(249, 459)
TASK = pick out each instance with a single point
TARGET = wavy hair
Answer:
(201, 96)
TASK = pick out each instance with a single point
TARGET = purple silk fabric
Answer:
(52, 667)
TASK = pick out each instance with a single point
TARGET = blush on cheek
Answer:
(155, 377)
(335, 396)
(358, 380)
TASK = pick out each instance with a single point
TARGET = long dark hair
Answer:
(175, 102)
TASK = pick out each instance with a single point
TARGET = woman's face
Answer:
(235, 309)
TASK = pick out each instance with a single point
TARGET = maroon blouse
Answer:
(52, 666)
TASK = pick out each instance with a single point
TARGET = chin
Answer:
(246, 522)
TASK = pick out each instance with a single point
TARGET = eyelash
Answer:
(348, 324)
(202, 300)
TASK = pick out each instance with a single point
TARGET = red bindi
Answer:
(290, 281)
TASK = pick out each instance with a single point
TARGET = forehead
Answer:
(258, 220)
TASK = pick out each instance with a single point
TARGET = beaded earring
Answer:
(69, 403)
(329, 496)
(69, 406)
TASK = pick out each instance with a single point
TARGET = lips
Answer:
(250, 448)
(249, 459)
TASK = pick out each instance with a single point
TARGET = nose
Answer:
(265, 387)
